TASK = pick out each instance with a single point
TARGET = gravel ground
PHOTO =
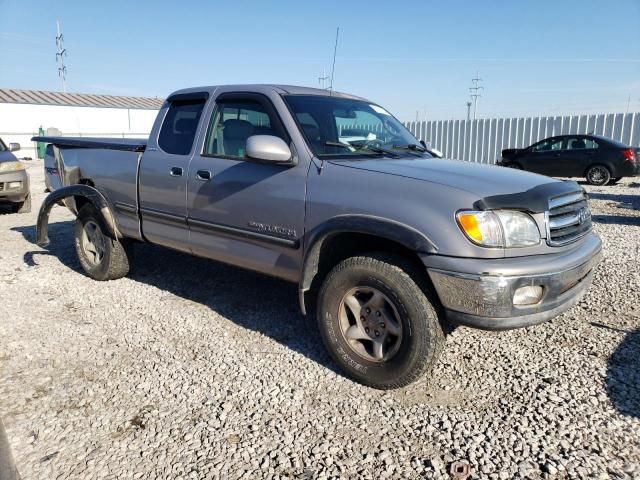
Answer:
(192, 369)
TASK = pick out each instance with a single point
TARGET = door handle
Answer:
(204, 175)
(175, 171)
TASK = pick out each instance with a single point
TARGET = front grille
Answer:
(568, 219)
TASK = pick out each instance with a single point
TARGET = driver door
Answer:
(545, 157)
(241, 211)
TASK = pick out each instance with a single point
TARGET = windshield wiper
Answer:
(359, 148)
(411, 146)
(329, 143)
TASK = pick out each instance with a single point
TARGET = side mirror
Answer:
(267, 148)
(424, 144)
(14, 147)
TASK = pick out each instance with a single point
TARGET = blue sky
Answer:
(535, 57)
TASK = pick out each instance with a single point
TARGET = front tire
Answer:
(101, 256)
(598, 175)
(378, 320)
(24, 206)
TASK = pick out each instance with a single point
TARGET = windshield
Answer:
(341, 127)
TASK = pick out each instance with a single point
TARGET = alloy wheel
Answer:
(370, 324)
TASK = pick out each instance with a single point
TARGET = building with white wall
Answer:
(24, 112)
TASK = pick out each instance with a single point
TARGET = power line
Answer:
(60, 54)
(323, 79)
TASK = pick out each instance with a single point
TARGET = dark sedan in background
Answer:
(599, 159)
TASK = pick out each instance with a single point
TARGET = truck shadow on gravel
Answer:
(257, 302)
(623, 375)
(616, 220)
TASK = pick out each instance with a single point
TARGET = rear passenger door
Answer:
(580, 153)
(164, 171)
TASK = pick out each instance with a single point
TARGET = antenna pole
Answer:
(335, 49)
(60, 54)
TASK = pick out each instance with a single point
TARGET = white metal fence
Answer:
(482, 140)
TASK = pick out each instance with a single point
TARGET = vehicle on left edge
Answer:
(14, 180)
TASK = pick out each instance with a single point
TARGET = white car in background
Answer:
(14, 181)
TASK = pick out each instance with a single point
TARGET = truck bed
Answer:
(109, 164)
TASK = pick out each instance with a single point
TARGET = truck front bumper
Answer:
(480, 293)
(14, 186)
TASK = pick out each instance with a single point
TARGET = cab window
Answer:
(234, 121)
(179, 126)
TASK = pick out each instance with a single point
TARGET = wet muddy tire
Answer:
(101, 256)
(379, 320)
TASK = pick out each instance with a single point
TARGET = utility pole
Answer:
(323, 79)
(335, 50)
(474, 90)
(60, 54)
(468, 104)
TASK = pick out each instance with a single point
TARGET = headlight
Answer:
(499, 228)
(11, 166)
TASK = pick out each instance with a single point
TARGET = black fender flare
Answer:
(90, 193)
(387, 229)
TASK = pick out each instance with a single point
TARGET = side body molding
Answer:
(86, 191)
(384, 228)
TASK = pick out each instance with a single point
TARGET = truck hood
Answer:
(478, 179)
(7, 156)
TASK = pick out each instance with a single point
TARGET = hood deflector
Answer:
(534, 200)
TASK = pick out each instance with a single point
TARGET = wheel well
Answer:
(79, 200)
(337, 247)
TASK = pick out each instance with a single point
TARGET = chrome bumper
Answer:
(486, 300)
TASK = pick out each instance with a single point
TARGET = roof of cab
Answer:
(281, 89)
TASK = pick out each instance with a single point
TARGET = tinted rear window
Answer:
(611, 142)
(179, 127)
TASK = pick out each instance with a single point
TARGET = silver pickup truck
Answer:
(389, 245)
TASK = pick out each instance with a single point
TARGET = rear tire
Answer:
(101, 256)
(379, 321)
(598, 175)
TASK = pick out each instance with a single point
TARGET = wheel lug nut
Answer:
(362, 319)
(382, 325)
(377, 333)
(378, 313)
(366, 329)
(368, 310)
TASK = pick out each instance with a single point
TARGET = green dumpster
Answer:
(41, 145)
